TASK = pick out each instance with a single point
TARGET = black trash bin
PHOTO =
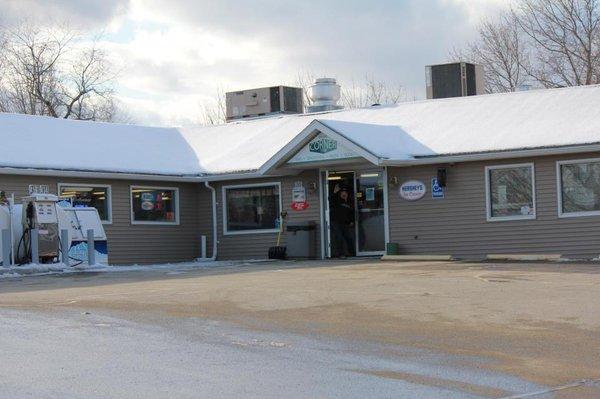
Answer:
(301, 240)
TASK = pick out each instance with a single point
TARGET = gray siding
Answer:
(457, 225)
(256, 246)
(127, 243)
(205, 220)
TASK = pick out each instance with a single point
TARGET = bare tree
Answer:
(371, 91)
(503, 52)
(547, 43)
(566, 36)
(53, 72)
(353, 95)
(382, 92)
(3, 91)
(304, 79)
(214, 112)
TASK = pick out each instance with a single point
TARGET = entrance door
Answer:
(370, 208)
(340, 213)
(366, 194)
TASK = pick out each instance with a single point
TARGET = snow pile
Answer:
(33, 269)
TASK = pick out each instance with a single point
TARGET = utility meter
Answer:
(39, 212)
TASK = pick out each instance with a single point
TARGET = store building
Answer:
(502, 173)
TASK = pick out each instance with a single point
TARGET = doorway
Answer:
(341, 205)
(364, 229)
(370, 212)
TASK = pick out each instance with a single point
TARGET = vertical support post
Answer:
(386, 205)
(64, 246)
(35, 249)
(91, 249)
(203, 247)
(6, 248)
(11, 211)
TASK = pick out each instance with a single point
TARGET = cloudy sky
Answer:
(174, 54)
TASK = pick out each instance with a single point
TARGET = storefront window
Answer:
(154, 205)
(580, 188)
(511, 192)
(93, 196)
(252, 208)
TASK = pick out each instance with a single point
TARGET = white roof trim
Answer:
(135, 176)
(486, 156)
(307, 134)
(243, 176)
(96, 175)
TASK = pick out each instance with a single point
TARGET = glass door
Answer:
(340, 213)
(370, 214)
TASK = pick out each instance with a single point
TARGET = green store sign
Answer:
(322, 148)
(323, 145)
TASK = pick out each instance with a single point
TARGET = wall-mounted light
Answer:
(442, 175)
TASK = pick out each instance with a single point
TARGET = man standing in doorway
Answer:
(342, 223)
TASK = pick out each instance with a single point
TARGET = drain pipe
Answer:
(214, 221)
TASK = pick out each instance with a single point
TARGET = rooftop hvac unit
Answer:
(457, 79)
(264, 101)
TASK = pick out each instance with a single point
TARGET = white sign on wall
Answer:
(322, 148)
(39, 189)
(299, 202)
(298, 192)
(412, 190)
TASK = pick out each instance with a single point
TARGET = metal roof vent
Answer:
(324, 94)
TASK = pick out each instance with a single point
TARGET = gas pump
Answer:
(39, 212)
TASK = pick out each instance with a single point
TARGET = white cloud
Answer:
(168, 110)
(478, 9)
(173, 71)
(83, 14)
(173, 54)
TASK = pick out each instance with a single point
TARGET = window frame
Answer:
(152, 222)
(224, 189)
(488, 194)
(559, 198)
(109, 192)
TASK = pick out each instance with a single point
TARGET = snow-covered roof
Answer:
(494, 122)
(50, 143)
(486, 123)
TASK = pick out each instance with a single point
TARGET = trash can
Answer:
(301, 239)
(392, 248)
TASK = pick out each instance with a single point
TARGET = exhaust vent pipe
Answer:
(324, 94)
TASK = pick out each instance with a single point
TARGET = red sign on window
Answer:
(299, 206)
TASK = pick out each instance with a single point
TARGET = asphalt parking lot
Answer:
(342, 329)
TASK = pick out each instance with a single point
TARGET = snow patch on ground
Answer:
(60, 268)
